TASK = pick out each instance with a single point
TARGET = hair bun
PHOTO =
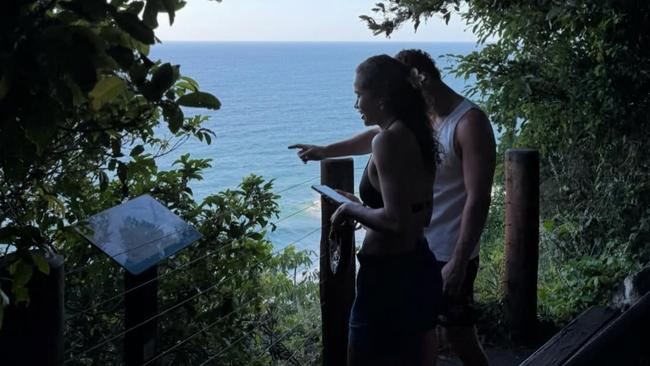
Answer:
(416, 79)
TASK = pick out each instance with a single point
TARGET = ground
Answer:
(497, 356)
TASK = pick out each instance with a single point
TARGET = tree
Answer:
(572, 79)
(79, 99)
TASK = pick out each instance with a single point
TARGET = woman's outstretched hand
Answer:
(309, 152)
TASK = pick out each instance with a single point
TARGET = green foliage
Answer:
(243, 291)
(570, 79)
(79, 103)
(77, 89)
(396, 12)
(489, 286)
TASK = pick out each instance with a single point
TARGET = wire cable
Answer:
(278, 340)
(113, 256)
(296, 212)
(239, 339)
(209, 254)
(298, 185)
(180, 343)
(303, 343)
(200, 293)
(148, 242)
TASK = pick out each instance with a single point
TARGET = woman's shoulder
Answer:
(397, 137)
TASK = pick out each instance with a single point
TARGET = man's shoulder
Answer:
(474, 128)
(475, 115)
(474, 119)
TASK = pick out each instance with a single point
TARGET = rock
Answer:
(632, 289)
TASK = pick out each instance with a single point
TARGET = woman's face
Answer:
(368, 104)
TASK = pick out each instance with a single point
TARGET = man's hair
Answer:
(388, 77)
(420, 60)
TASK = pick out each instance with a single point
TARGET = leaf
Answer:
(548, 225)
(150, 15)
(199, 100)
(554, 13)
(138, 73)
(131, 24)
(4, 300)
(103, 181)
(174, 116)
(39, 129)
(122, 172)
(41, 263)
(164, 77)
(139, 149)
(21, 294)
(170, 8)
(122, 55)
(105, 91)
(116, 148)
(194, 84)
(135, 7)
(186, 85)
(21, 272)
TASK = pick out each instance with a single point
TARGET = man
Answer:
(461, 198)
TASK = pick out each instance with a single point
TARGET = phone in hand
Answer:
(330, 194)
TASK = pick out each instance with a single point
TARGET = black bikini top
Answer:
(372, 198)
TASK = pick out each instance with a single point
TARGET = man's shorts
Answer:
(460, 311)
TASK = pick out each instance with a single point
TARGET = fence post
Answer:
(140, 305)
(33, 334)
(336, 291)
(522, 241)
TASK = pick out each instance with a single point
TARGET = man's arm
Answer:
(360, 144)
(477, 149)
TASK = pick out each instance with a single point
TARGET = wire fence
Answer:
(77, 354)
(99, 258)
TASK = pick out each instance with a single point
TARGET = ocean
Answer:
(274, 95)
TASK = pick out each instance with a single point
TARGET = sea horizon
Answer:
(275, 94)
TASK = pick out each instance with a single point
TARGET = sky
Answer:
(295, 21)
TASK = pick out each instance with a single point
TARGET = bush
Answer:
(572, 80)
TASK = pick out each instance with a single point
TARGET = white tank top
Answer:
(449, 193)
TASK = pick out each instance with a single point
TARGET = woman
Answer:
(398, 285)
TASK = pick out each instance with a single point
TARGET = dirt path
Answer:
(497, 356)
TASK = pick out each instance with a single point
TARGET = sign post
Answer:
(138, 235)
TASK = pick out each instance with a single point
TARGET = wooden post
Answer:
(139, 306)
(336, 291)
(33, 334)
(522, 241)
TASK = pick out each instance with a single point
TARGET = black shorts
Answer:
(460, 311)
(398, 299)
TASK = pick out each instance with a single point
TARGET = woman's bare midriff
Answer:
(382, 243)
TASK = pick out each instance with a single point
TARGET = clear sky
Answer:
(295, 20)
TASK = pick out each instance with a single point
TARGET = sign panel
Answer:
(139, 233)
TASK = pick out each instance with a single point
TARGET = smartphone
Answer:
(330, 193)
